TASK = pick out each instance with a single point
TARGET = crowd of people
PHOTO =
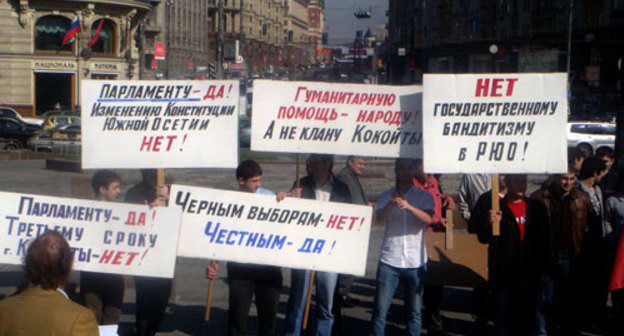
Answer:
(548, 268)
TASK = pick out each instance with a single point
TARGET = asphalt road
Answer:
(185, 314)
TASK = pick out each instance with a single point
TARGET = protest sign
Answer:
(337, 118)
(495, 123)
(254, 228)
(105, 237)
(159, 124)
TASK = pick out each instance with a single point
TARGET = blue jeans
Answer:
(325, 285)
(388, 278)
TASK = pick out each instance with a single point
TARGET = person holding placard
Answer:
(248, 280)
(43, 308)
(320, 184)
(520, 262)
(152, 294)
(407, 212)
(103, 292)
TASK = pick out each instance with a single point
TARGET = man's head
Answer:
(405, 169)
(516, 185)
(106, 185)
(48, 261)
(607, 155)
(420, 172)
(150, 176)
(248, 175)
(356, 164)
(575, 159)
(319, 166)
(593, 167)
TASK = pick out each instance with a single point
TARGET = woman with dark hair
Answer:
(43, 308)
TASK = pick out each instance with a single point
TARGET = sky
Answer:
(341, 24)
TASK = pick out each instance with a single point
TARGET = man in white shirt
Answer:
(406, 211)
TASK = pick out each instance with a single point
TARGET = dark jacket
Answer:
(509, 260)
(340, 191)
(568, 217)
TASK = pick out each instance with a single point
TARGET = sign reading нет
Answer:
(495, 123)
(104, 237)
(337, 118)
(253, 228)
(159, 124)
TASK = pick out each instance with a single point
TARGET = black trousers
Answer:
(103, 294)
(245, 281)
(152, 295)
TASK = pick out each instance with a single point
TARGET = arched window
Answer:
(50, 31)
(105, 43)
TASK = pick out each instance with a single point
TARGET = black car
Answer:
(14, 133)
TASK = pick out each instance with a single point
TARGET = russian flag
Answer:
(74, 29)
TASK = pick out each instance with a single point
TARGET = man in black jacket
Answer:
(519, 259)
(321, 185)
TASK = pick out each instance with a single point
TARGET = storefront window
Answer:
(50, 31)
(105, 42)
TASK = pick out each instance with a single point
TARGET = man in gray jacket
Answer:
(349, 175)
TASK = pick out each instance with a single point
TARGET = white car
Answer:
(589, 136)
(9, 112)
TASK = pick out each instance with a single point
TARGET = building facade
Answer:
(456, 36)
(39, 70)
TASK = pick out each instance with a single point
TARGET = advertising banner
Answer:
(105, 237)
(253, 228)
(337, 118)
(159, 124)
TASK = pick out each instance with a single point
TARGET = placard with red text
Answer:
(104, 237)
(337, 118)
(253, 228)
(159, 124)
(495, 123)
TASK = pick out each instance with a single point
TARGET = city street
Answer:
(187, 304)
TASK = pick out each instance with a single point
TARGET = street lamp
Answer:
(493, 51)
(168, 5)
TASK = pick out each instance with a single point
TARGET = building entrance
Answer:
(51, 88)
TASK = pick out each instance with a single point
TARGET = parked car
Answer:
(53, 121)
(14, 133)
(9, 112)
(588, 136)
(62, 140)
(244, 131)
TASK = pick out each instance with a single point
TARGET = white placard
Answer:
(105, 237)
(495, 123)
(253, 228)
(336, 118)
(159, 124)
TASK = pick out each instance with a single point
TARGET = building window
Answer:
(50, 31)
(105, 43)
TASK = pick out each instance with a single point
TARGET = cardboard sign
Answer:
(495, 123)
(253, 228)
(465, 264)
(336, 118)
(105, 237)
(159, 124)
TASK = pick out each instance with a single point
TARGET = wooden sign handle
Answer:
(449, 229)
(307, 304)
(495, 204)
(209, 296)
